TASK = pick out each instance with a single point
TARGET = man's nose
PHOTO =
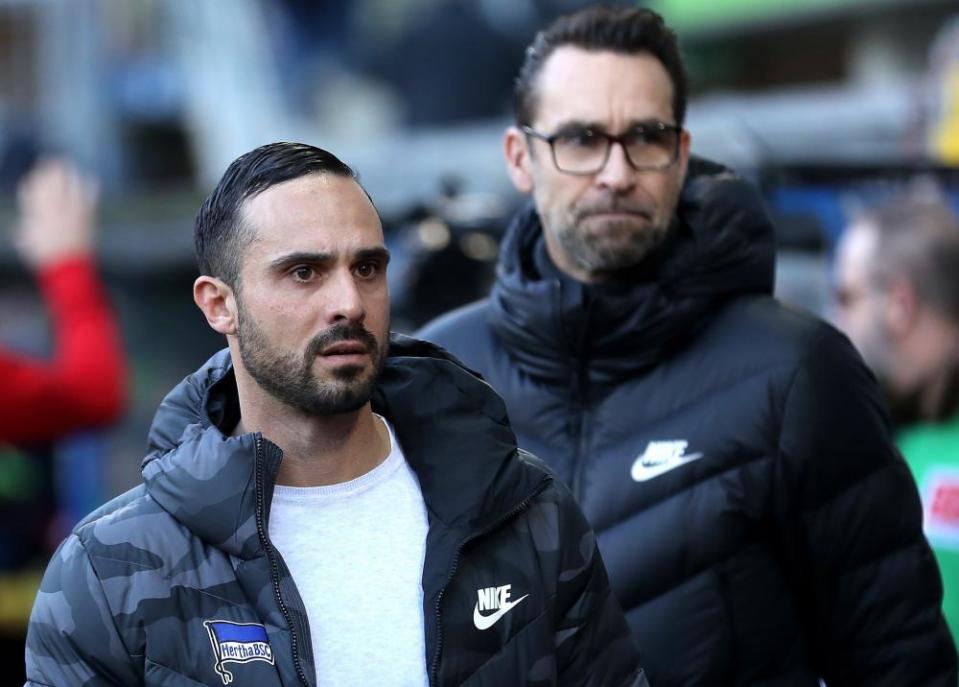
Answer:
(617, 174)
(343, 298)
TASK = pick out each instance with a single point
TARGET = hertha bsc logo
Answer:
(237, 643)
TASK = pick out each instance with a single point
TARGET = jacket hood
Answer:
(451, 425)
(722, 246)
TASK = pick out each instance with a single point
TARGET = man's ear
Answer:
(215, 298)
(516, 148)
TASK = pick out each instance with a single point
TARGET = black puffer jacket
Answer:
(138, 593)
(732, 455)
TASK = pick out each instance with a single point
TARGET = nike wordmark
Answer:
(493, 598)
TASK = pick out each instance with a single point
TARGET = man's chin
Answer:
(350, 373)
(333, 399)
(346, 406)
(611, 256)
(615, 224)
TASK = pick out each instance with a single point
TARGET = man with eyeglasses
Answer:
(732, 455)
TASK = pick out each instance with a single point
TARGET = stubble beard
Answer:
(290, 378)
(617, 246)
(613, 245)
(873, 344)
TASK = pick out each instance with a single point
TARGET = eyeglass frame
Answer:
(550, 139)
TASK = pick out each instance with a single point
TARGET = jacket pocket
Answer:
(527, 658)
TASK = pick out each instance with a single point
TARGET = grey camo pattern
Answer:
(124, 599)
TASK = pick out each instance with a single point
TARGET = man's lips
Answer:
(345, 348)
(617, 214)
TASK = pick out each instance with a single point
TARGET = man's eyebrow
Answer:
(599, 127)
(301, 257)
(578, 125)
(379, 254)
(651, 122)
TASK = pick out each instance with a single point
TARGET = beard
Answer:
(290, 378)
(609, 245)
(873, 342)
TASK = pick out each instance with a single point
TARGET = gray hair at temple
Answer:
(917, 236)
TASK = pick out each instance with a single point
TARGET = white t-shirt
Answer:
(356, 552)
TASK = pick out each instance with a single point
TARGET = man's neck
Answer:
(931, 353)
(318, 450)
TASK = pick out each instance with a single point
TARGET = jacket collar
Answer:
(722, 246)
(452, 427)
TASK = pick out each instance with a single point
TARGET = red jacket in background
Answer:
(83, 385)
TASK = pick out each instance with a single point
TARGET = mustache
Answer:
(614, 204)
(341, 332)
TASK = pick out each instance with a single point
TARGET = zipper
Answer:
(519, 508)
(271, 557)
(579, 403)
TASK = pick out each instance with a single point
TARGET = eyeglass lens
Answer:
(586, 151)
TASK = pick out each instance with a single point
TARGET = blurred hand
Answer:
(57, 212)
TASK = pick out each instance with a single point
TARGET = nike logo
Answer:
(491, 598)
(661, 457)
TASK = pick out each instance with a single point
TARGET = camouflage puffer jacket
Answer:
(176, 583)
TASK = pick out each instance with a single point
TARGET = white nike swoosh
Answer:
(641, 472)
(485, 622)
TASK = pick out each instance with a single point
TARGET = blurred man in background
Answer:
(897, 297)
(83, 384)
(732, 455)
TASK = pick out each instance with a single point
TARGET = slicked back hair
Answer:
(219, 233)
(628, 31)
(918, 239)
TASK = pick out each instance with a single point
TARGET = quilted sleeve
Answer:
(71, 637)
(866, 578)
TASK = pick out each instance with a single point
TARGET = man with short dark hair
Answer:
(732, 455)
(897, 274)
(323, 504)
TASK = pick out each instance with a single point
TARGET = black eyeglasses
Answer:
(650, 146)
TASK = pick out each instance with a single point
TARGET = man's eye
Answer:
(366, 270)
(303, 273)
(844, 297)
(584, 138)
(651, 135)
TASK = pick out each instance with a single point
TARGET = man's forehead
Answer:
(317, 213)
(598, 85)
(861, 238)
(331, 190)
(857, 250)
(314, 204)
